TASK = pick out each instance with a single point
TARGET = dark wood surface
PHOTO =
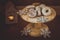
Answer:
(27, 2)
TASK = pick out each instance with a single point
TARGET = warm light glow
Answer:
(11, 17)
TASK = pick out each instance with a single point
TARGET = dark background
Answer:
(12, 31)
